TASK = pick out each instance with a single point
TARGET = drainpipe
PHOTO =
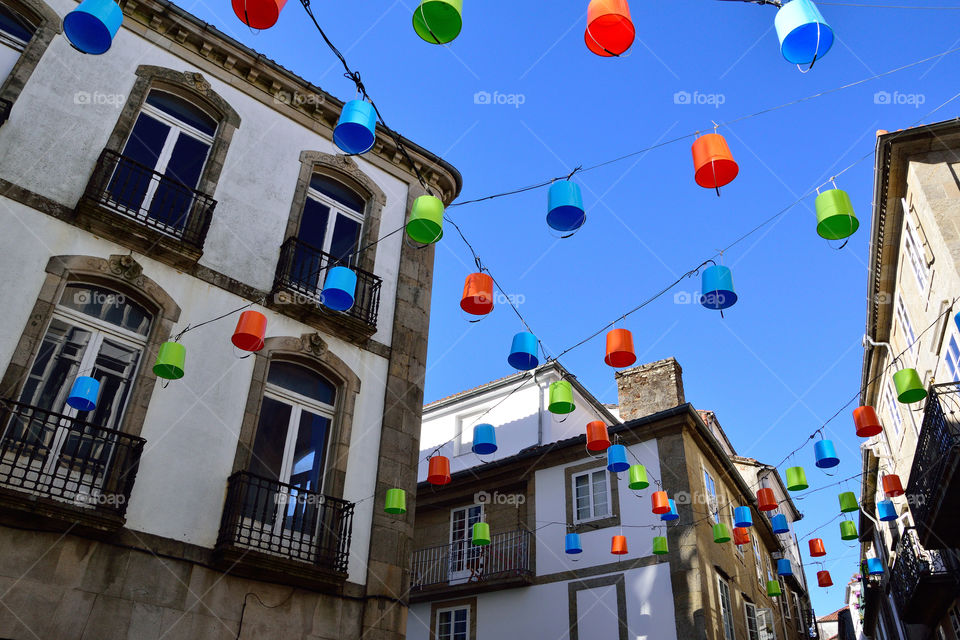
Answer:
(540, 410)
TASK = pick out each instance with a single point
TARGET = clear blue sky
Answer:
(788, 355)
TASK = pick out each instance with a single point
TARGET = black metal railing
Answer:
(507, 556)
(5, 107)
(285, 521)
(301, 271)
(54, 455)
(913, 566)
(157, 201)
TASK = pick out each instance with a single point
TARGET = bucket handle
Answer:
(625, 54)
(816, 52)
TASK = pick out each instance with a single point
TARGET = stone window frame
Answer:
(310, 351)
(48, 24)
(190, 86)
(616, 580)
(591, 525)
(344, 170)
(464, 603)
(118, 273)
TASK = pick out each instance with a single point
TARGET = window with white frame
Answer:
(765, 625)
(796, 606)
(453, 624)
(752, 630)
(712, 503)
(15, 32)
(465, 557)
(733, 520)
(726, 611)
(893, 410)
(785, 600)
(591, 495)
(903, 319)
(759, 560)
(465, 424)
(913, 250)
(952, 357)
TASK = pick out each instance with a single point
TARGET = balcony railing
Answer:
(923, 581)
(286, 522)
(507, 556)
(56, 456)
(933, 491)
(5, 107)
(126, 188)
(302, 269)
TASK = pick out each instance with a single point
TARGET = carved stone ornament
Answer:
(199, 82)
(125, 267)
(313, 343)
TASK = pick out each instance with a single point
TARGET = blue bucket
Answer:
(784, 568)
(717, 288)
(672, 514)
(804, 35)
(742, 517)
(956, 320)
(523, 352)
(825, 452)
(572, 543)
(83, 393)
(339, 288)
(565, 206)
(356, 129)
(886, 511)
(90, 27)
(617, 458)
(484, 439)
(875, 566)
(780, 524)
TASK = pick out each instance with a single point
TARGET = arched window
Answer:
(15, 32)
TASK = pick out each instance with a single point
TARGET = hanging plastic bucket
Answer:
(355, 132)
(620, 349)
(258, 14)
(773, 588)
(396, 501)
(438, 471)
(660, 547)
(481, 534)
(886, 511)
(638, 477)
(741, 536)
(823, 577)
(610, 31)
(875, 566)
(484, 439)
(817, 550)
(617, 458)
(523, 352)
(780, 524)
(766, 500)
(784, 568)
(477, 297)
(618, 546)
(803, 33)
(717, 288)
(561, 397)
(909, 387)
(720, 533)
(660, 502)
(848, 530)
(835, 218)
(565, 206)
(171, 359)
(713, 164)
(866, 421)
(672, 514)
(848, 502)
(339, 288)
(91, 27)
(251, 331)
(571, 544)
(892, 487)
(83, 393)
(796, 479)
(824, 451)
(438, 21)
(426, 220)
(597, 437)
(742, 517)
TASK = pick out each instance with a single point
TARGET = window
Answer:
(453, 624)
(733, 520)
(765, 626)
(914, 254)
(893, 410)
(465, 424)
(785, 600)
(591, 495)
(909, 338)
(465, 557)
(796, 606)
(759, 561)
(952, 358)
(955, 621)
(752, 629)
(15, 32)
(711, 488)
(726, 611)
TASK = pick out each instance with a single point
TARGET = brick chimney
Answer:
(650, 388)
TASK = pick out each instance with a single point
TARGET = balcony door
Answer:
(465, 557)
(15, 33)
(163, 160)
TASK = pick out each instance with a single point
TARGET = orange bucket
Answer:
(866, 421)
(766, 499)
(597, 437)
(741, 536)
(439, 470)
(661, 502)
(250, 332)
(892, 486)
(619, 545)
(712, 161)
(610, 31)
(817, 550)
(477, 297)
(620, 349)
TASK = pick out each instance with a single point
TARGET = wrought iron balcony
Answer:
(463, 567)
(934, 488)
(924, 582)
(300, 274)
(76, 464)
(5, 107)
(280, 529)
(122, 189)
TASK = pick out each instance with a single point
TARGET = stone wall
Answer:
(650, 388)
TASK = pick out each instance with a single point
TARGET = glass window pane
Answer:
(302, 381)
(338, 192)
(173, 199)
(9, 55)
(13, 25)
(109, 306)
(346, 235)
(183, 110)
(115, 367)
(309, 450)
(267, 457)
(56, 366)
(313, 223)
(146, 140)
(600, 494)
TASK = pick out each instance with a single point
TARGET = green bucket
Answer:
(721, 533)
(660, 546)
(170, 361)
(438, 21)
(909, 387)
(848, 530)
(481, 534)
(835, 217)
(773, 588)
(638, 477)
(561, 397)
(426, 220)
(796, 479)
(396, 501)
(848, 502)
